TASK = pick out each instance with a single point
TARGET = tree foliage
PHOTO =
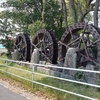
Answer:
(32, 15)
(34, 27)
(27, 12)
(6, 31)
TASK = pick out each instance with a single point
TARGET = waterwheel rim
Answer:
(22, 45)
(85, 29)
(46, 43)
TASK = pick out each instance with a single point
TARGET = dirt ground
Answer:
(18, 89)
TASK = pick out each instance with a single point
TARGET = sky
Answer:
(1, 1)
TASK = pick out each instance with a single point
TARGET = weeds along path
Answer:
(16, 92)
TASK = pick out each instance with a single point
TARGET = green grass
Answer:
(51, 93)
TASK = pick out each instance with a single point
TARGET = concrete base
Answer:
(90, 77)
(66, 76)
(15, 55)
(35, 57)
(70, 61)
(54, 73)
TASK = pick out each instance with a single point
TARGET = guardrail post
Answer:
(32, 74)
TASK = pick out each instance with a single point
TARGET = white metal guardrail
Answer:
(33, 72)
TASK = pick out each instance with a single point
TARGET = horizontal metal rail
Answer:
(51, 66)
(79, 95)
(68, 80)
(63, 79)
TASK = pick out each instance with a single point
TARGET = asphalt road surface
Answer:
(6, 94)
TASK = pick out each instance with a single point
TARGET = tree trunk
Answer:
(43, 10)
(82, 16)
(73, 11)
(65, 11)
(96, 13)
(89, 7)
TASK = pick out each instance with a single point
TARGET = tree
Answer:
(79, 9)
(54, 18)
(27, 12)
(6, 31)
(73, 11)
(65, 12)
(85, 9)
(96, 9)
(55, 15)
(34, 27)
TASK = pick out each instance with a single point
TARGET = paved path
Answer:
(6, 94)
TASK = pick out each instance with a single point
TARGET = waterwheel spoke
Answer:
(23, 57)
(19, 42)
(38, 38)
(39, 43)
(85, 47)
(90, 59)
(93, 43)
(61, 43)
(41, 52)
(22, 44)
(23, 48)
(70, 32)
(50, 44)
(73, 41)
(84, 28)
(16, 47)
(46, 45)
(87, 44)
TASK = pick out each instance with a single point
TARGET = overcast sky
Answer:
(1, 1)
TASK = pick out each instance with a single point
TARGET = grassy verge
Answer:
(51, 93)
